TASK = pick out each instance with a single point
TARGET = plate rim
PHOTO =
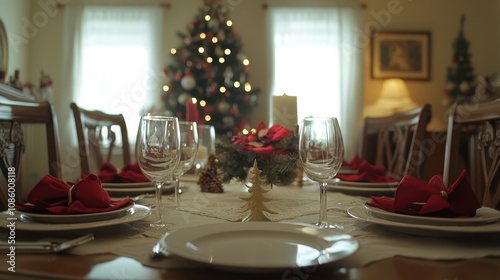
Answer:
(128, 185)
(388, 185)
(138, 212)
(53, 216)
(443, 221)
(423, 230)
(200, 230)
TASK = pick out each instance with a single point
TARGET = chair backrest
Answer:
(395, 141)
(473, 143)
(15, 111)
(95, 135)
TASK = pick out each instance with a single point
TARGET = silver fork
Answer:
(47, 246)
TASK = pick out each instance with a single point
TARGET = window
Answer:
(118, 58)
(311, 62)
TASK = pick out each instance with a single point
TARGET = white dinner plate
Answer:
(130, 191)
(128, 185)
(336, 181)
(138, 212)
(77, 218)
(259, 246)
(347, 171)
(360, 213)
(363, 191)
(484, 215)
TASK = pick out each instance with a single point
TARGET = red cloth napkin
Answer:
(52, 195)
(131, 173)
(353, 164)
(434, 199)
(368, 173)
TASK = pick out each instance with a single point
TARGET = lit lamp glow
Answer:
(394, 97)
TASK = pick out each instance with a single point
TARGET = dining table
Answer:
(124, 250)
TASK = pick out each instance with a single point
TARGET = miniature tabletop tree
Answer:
(255, 201)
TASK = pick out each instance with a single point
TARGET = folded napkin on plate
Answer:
(368, 173)
(353, 164)
(416, 197)
(53, 195)
(131, 173)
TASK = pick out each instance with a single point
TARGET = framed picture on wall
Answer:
(403, 55)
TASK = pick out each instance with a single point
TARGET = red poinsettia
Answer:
(262, 140)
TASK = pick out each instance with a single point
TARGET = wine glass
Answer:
(189, 148)
(321, 151)
(158, 153)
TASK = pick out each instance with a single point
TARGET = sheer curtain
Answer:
(111, 63)
(313, 61)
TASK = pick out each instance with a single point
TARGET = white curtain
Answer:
(313, 60)
(112, 63)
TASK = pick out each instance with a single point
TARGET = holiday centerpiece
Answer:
(275, 150)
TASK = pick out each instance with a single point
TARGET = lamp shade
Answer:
(394, 97)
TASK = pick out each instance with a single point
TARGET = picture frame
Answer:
(403, 55)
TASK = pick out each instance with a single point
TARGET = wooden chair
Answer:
(17, 110)
(395, 141)
(95, 135)
(473, 143)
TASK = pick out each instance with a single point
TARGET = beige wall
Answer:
(441, 18)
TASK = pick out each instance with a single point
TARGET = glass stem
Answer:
(176, 191)
(323, 222)
(158, 203)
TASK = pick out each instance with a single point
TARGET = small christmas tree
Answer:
(207, 81)
(255, 202)
(460, 77)
(209, 180)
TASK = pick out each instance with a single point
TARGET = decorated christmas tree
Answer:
(207, 80)
(460, 77)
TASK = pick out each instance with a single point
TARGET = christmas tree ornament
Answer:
(183, 98)
(188, 82)
(255, 202)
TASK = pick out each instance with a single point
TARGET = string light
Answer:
(208, 118)
(246, 62)
(165, 88)
(227, 51)
(248, 87)
(222, 89)
(221, 60)
(209, 59)
(244, 131)
(236, 84)
(201, 50)
(173, 51)
(214, 40)
(229, 22)
(203, 103)
(207, 17)
(194, 100)
(203, 35)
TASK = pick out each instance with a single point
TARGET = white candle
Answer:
(285, 111)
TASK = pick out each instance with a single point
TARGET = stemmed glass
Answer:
(158, 153)
(189, 149)
(321, 151)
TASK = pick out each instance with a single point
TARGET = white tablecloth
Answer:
(293, 204)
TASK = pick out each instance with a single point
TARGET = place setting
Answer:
(362, 178)
(54, 205)
(430, 209)
(129, 181)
